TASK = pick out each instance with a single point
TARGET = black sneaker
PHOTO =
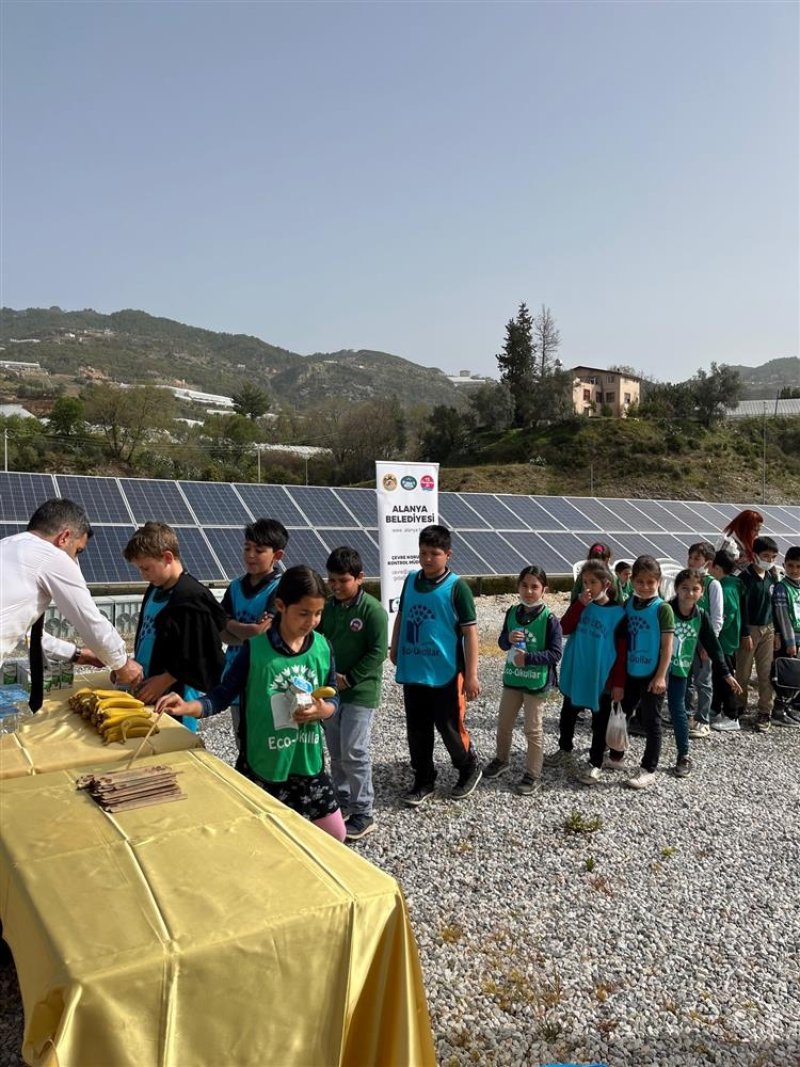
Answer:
(417, 795)
(467, 781)
(762, 723)
(683, 767)
(794, 714)
(495, 769)
(781, 717)
(358, 826)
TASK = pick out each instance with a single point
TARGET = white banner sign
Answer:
(408, 500)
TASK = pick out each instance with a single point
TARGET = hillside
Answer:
(765, 381)
(137, 348)
(636, 458)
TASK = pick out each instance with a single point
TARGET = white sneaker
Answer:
(700, 731)
(641, 780)
(717, 718)
(726, 725)
(590, 776)
(610, 764)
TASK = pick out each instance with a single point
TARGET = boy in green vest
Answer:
(723, 704)
(700, 681)
(693, 630)
(786, 616)
(356, 625)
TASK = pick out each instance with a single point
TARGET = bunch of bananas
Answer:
(117, 716)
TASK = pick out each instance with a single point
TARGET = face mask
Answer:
(764, 564)
(528, 603)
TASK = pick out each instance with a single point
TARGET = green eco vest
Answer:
(684, 644)
(730, 634)
(276, 745)
(532, 679)
(793, 601)
(704, 601)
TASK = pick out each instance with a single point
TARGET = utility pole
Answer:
(764, 458)
(258, 454)
(5, 450)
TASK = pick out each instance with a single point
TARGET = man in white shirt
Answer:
(40, 566)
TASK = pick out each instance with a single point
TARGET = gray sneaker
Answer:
(528, 784)
(358, 826)
(559, 758)
(467, 781)
(683, 768)
(495, 769)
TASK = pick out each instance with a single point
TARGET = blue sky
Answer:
(399, 176)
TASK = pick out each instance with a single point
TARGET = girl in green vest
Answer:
(278, 677)
(693, 629)
(531, 639)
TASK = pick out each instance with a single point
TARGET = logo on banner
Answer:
(408, 482)
(389, 482)
(426, 483)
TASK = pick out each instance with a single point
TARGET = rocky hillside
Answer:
(136, 348)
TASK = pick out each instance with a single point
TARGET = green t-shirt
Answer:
(357, 631)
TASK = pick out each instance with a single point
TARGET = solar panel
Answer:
(567, 545)
(456, 514)
(532, 513)
(215, 504)
(270, 502)
(9, 528)
(361, 542)
(102, 562)
(465, 560)
(305, 547)
(362, 503)
(793, 515)
(774, 520)
(497, 552)
(21, 494)
(535, 550)
(152, 499)
(101, 497)
(622, 546)
(660, 544)
(660, 513)
(496, 514)
(569, 516)
(197, 556)
(627, 511)
(682, 513)
(710, 515)
(227, 543)
(606, 519)
(321, 507)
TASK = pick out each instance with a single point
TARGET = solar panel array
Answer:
(494, 534)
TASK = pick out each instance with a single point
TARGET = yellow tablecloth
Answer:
(56, 738)
(219, 930)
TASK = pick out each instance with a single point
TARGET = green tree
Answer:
(449, 436)
(66, 417)
(126, 417)
(517, 361)
(251, 401)
(788, 392)
(715, 393)
(231, 439)
(358, 435)
(493, 406)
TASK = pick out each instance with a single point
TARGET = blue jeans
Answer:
(347, 734)
(701, 681)
(676, 699)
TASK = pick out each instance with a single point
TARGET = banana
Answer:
(323, 692)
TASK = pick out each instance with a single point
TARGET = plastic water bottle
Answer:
(518, 647)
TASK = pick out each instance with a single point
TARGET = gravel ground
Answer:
(667, 935)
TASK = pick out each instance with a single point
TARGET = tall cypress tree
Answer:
(516, 361)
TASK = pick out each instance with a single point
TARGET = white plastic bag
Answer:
(617, 729)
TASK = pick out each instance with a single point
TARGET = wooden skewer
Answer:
(145, 739)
